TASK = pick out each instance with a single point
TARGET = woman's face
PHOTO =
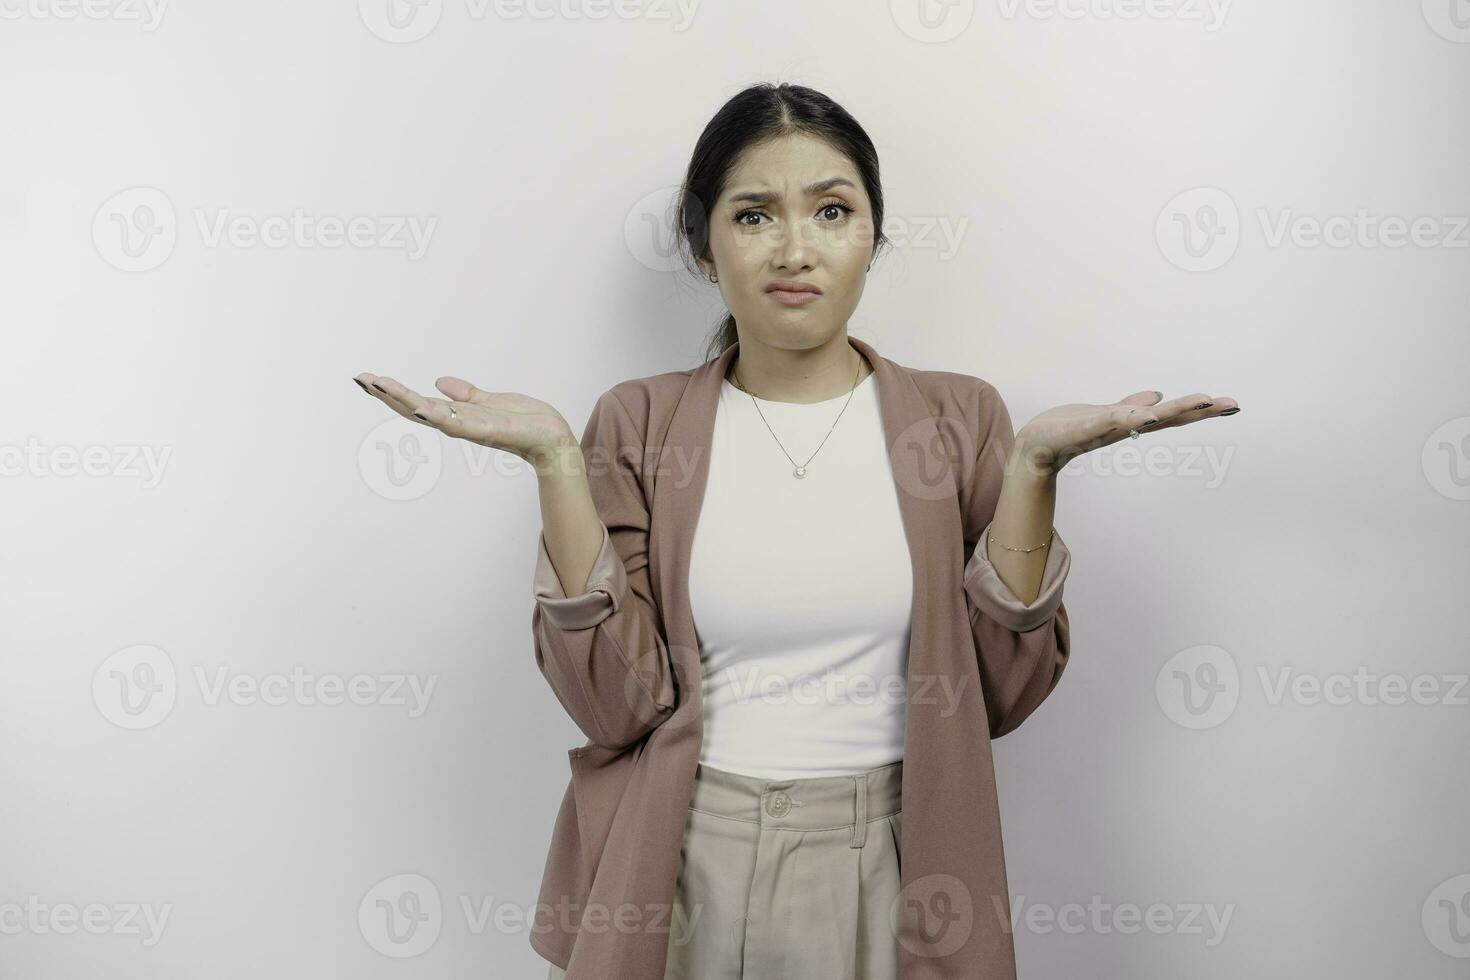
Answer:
(793, 209)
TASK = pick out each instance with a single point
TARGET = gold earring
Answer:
(714, 278)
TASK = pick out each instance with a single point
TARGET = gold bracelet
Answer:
(1027, 550)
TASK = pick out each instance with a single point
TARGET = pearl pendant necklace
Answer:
(799, 470)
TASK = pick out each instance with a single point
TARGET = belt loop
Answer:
(860, 810)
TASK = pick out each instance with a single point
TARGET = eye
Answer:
(823, 208)
(838, 206)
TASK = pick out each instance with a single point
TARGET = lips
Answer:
(791, 286)
(794, 297)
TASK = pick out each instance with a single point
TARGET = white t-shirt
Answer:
(801, 590)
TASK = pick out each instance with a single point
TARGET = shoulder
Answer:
(636, 407)
(955, 395)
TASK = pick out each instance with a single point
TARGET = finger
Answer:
(1126, 417)
(373, 385)
(436, 412)
(1186, 409)
(1143, 398)
(402, 398)
(1175, 407)
(461, 390)
(1215, 408)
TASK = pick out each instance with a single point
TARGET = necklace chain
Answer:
(799, 470)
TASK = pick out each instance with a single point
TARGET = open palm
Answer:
(1057, 436)
(506, 420)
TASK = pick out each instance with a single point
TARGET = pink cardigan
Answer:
(623, 660)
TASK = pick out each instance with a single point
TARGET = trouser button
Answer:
(779, 804)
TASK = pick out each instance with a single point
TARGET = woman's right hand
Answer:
(504, 420)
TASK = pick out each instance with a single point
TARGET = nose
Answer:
(794, 249)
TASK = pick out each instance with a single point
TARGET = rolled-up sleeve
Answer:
(606, 584)
(988, 591)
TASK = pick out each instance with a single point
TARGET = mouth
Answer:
(791, 297)
(789, 293)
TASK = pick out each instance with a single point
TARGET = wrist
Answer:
(1030, 467)
(562, 458)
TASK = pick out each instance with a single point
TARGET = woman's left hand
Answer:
(1059, 435)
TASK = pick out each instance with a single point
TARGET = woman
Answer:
(825, 515)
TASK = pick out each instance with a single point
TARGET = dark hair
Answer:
(757, 114)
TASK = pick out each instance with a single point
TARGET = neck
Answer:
(799, 376)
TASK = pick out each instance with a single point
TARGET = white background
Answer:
(1034, 159)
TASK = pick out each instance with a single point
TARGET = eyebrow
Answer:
(812, 190)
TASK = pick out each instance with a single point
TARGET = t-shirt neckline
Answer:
(800, 405)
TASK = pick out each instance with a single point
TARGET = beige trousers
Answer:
(787, 878)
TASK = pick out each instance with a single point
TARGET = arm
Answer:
(1022, 646)
(600, 645)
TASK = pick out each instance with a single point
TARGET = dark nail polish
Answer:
(1203, 405)
(362, 386)
(1229, 411)
(420, 415)
(380, 387)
